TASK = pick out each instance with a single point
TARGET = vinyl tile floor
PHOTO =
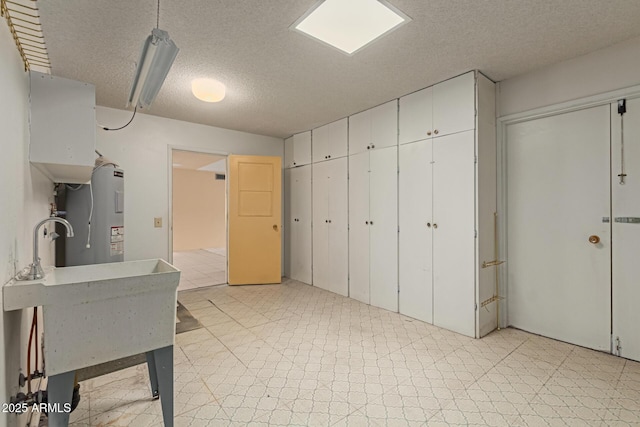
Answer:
(201, 268)
(293, 354)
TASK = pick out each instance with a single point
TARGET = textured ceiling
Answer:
(280, 82)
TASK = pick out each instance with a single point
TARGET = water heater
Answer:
(96, 212)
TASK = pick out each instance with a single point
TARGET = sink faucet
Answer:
(35, 269)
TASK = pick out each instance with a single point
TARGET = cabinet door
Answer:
(415, 218)
(288, 153)
(416, 116)
(338, 251)
(338, 136)
(320, 143)
(301, 212)
(384, 125)
(302, 148)
(454, 105)
(383, 222)
(453, 233)
(288, 221)
(359, 132)
(359, 227)
(321, 269)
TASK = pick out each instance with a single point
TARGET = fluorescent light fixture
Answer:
(208, 90)
(349, 25)
(158, 54)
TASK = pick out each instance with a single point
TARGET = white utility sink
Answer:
(101, 312)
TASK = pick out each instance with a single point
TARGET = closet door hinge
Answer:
(475, 234)
(475, 160)
(476, 308)
(616, 345)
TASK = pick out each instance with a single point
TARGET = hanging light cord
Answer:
(122, 127)
(158, 16)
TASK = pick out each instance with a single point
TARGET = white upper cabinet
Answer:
(443, 109)
(384, 125)
(63, 128)
(338, 137)
(359, 132)
(288, 152)
(330, 141)
(374, 128)
(297, 150)
(320, 146)
(454, 105)
(416, 116)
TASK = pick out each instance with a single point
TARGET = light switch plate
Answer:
(157, 222)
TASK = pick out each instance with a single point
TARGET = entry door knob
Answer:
(594, 239)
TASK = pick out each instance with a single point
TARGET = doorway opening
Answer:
(199, 223)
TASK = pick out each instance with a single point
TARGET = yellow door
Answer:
(254, 220)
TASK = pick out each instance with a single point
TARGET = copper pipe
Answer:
(29, 353)
(35, 314)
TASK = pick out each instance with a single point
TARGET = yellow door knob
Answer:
(594, 239)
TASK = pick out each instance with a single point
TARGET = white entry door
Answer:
(558, 192)
(626, 233)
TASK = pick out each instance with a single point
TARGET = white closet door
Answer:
(288, 221)
(302, 148)
(359, 227)
(301, 211)
(453, 233)
(359, 132)
(416, 116)
(383, 222)
(288, 153)
(557, 194)
(320, 143)
(384, 125)
(626, 235)
(338, 252)
(321, 269)
(415, 217)
(338, 138)
(454, 105)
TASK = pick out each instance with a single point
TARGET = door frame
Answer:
(605, 98)
(198, 150)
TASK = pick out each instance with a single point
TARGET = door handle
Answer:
(435, 225)
(594, 239)
(275, 227)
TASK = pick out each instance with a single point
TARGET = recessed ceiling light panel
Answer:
(349, 25)
(208, 90)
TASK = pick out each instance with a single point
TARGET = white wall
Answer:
(612, 68)
(141, 150)
(25, 195)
